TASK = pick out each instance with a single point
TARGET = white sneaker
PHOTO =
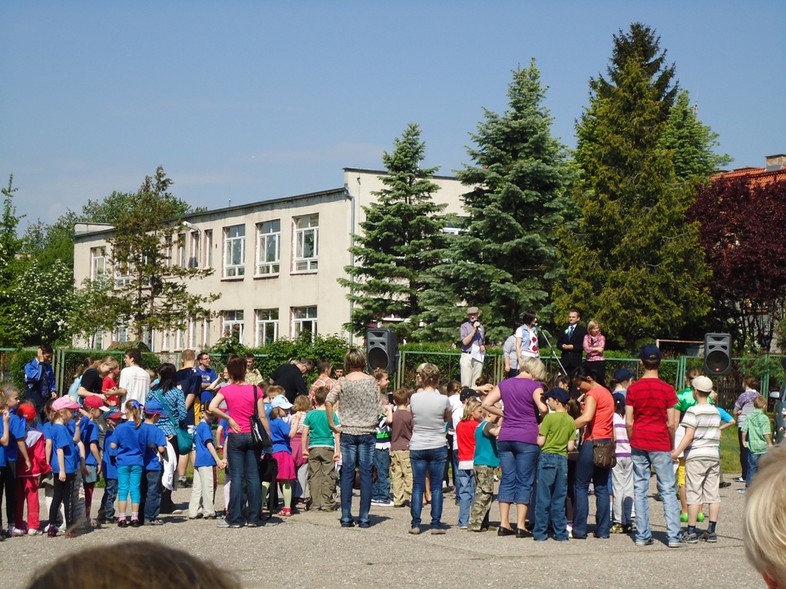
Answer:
(34, 532)
(378, 503)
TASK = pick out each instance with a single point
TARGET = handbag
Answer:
(259, 435)
(603, 454)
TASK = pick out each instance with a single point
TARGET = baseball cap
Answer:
(281, 401)
(559, 394)
(650, 352)
(155, 408)
(702, 383)
(26, 411)
(65, 403)
(95, 402)
(622, 374)
(468, 393)
(114, 413)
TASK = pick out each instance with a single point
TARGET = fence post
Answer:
(60, 371)
(681, 370)
(400, 368)
(765, 378)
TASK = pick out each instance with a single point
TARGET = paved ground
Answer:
(311, 550)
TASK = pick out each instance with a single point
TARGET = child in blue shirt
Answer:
(93, 406)
(154, 441)
(281, 433)
(65, 460)
(205, 461)
(130, 459)
(106, 511)
(485, 463)
(17, 434)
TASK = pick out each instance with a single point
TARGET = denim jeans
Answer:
(551, 496)
(107, 508)
(586, 471)
(431, 461)
(245, 488)
(664, 473)
(753, 467)
(356, 452)
(151, 494)
(519, 461)
(380, 490)
(465, 494)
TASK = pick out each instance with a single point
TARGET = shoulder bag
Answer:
(259, 435)
(604, 454)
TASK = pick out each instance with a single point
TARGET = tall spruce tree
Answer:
(634, 261)
(401, 239)
(504, 262)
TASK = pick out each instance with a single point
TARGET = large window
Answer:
(267, 326)
(234, 251)
(208, 263)
(268, 247)
(306, 243)
(304, 319)
(97, 264)
(193, 260)
(233, 324)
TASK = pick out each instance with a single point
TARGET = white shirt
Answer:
(136, 381)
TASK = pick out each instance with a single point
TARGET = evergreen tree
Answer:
(402, 235)
(504, 262)
(10, 266)
(634, 261)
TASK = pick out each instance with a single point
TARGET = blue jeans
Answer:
(465, 494)
(586, 471)
(519, 461)
(552, 493)
(664, 473)
(380, 490)
(151, 496)
(753, 467)
(356, 452)
(245, 487)
(107, 507)
(431, 461)
(129, 480)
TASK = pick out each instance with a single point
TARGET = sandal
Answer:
(286, 512)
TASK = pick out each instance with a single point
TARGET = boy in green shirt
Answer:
(556, 437)
(756, 437)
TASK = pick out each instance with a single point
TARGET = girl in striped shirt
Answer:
(622, 473)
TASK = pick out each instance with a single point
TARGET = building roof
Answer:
(385, 173)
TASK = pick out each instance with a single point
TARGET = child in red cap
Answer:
(27, 478)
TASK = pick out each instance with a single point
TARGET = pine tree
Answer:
(504, 262)
(402, 235)
(634, 261)
(11, 265)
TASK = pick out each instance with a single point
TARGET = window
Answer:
(208, 248)
(205, 333)
(193, 261)
(181, 250)
(268, 247)
(192, 334)
(120, 334)
(267, 326)
(234, 251)
(306, 243)
(97, 264)
(304, 319)
(233, 324)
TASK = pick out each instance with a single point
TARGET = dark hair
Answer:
(584, 372)
(355, 360)
(573, 408)
(135, 355)
(453, 387)
(320, 394)
(401, 396)
(574, 310)
(167, 376)
(324, 366)
(46, 348)
(651, 364)
(236, 367)
(528, 318)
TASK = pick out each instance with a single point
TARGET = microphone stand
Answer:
(553, 353)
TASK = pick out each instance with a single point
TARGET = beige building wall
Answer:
(261, 303)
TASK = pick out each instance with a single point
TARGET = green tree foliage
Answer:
(633, 262)
(10, 265)
(401, 239)
(504, 262)
(150, 290)
(42, 299)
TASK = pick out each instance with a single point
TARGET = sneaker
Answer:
(739, 480)
(438, 531)
(741, 491)
(34, 532)
(724, 484)
(135, 523)
(688, 538)
(285, 512)
(155, 522)
(710, 537)
(378, 503)
(617, 529)
(414, 531)
(19, 532)
(644, 542)
(122, 523)
(51, 531)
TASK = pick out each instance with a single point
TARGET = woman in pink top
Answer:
(594, 345)
(242, 456)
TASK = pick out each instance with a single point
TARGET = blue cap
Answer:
(559, 394)
(651, 352)
(155, 408)
(622, 374)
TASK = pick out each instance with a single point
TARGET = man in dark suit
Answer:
(571, 342)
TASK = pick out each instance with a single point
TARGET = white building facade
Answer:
(276, 263)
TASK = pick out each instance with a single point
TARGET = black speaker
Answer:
(382, 349)
(717, 353)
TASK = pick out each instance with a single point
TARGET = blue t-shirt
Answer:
(130, 447)
(64, 439)
(152, 438)
(279, 434)
(203, 437)
(89, 432)
(206, 376)
(109, 469)
(3, 461)
(724, 415)
(17, 430)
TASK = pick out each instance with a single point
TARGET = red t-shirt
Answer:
(650, 398)
(465, 434)
(603, 422)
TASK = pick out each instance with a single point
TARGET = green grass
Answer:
(730, 450)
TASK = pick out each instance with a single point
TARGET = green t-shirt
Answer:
(757, 425)
(319, 433)
(685, 400)
(559, 428)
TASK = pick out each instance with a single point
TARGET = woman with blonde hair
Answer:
(522, 397)
(594, 345)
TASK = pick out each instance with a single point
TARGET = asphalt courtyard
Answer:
(311, 550)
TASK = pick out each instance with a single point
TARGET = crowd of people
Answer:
(551, 442)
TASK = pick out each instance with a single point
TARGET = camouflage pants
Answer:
(484, 496)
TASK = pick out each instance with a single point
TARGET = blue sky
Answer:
(254, 100)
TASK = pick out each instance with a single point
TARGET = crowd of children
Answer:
(82, 443)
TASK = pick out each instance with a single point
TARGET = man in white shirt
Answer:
(134, 380)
